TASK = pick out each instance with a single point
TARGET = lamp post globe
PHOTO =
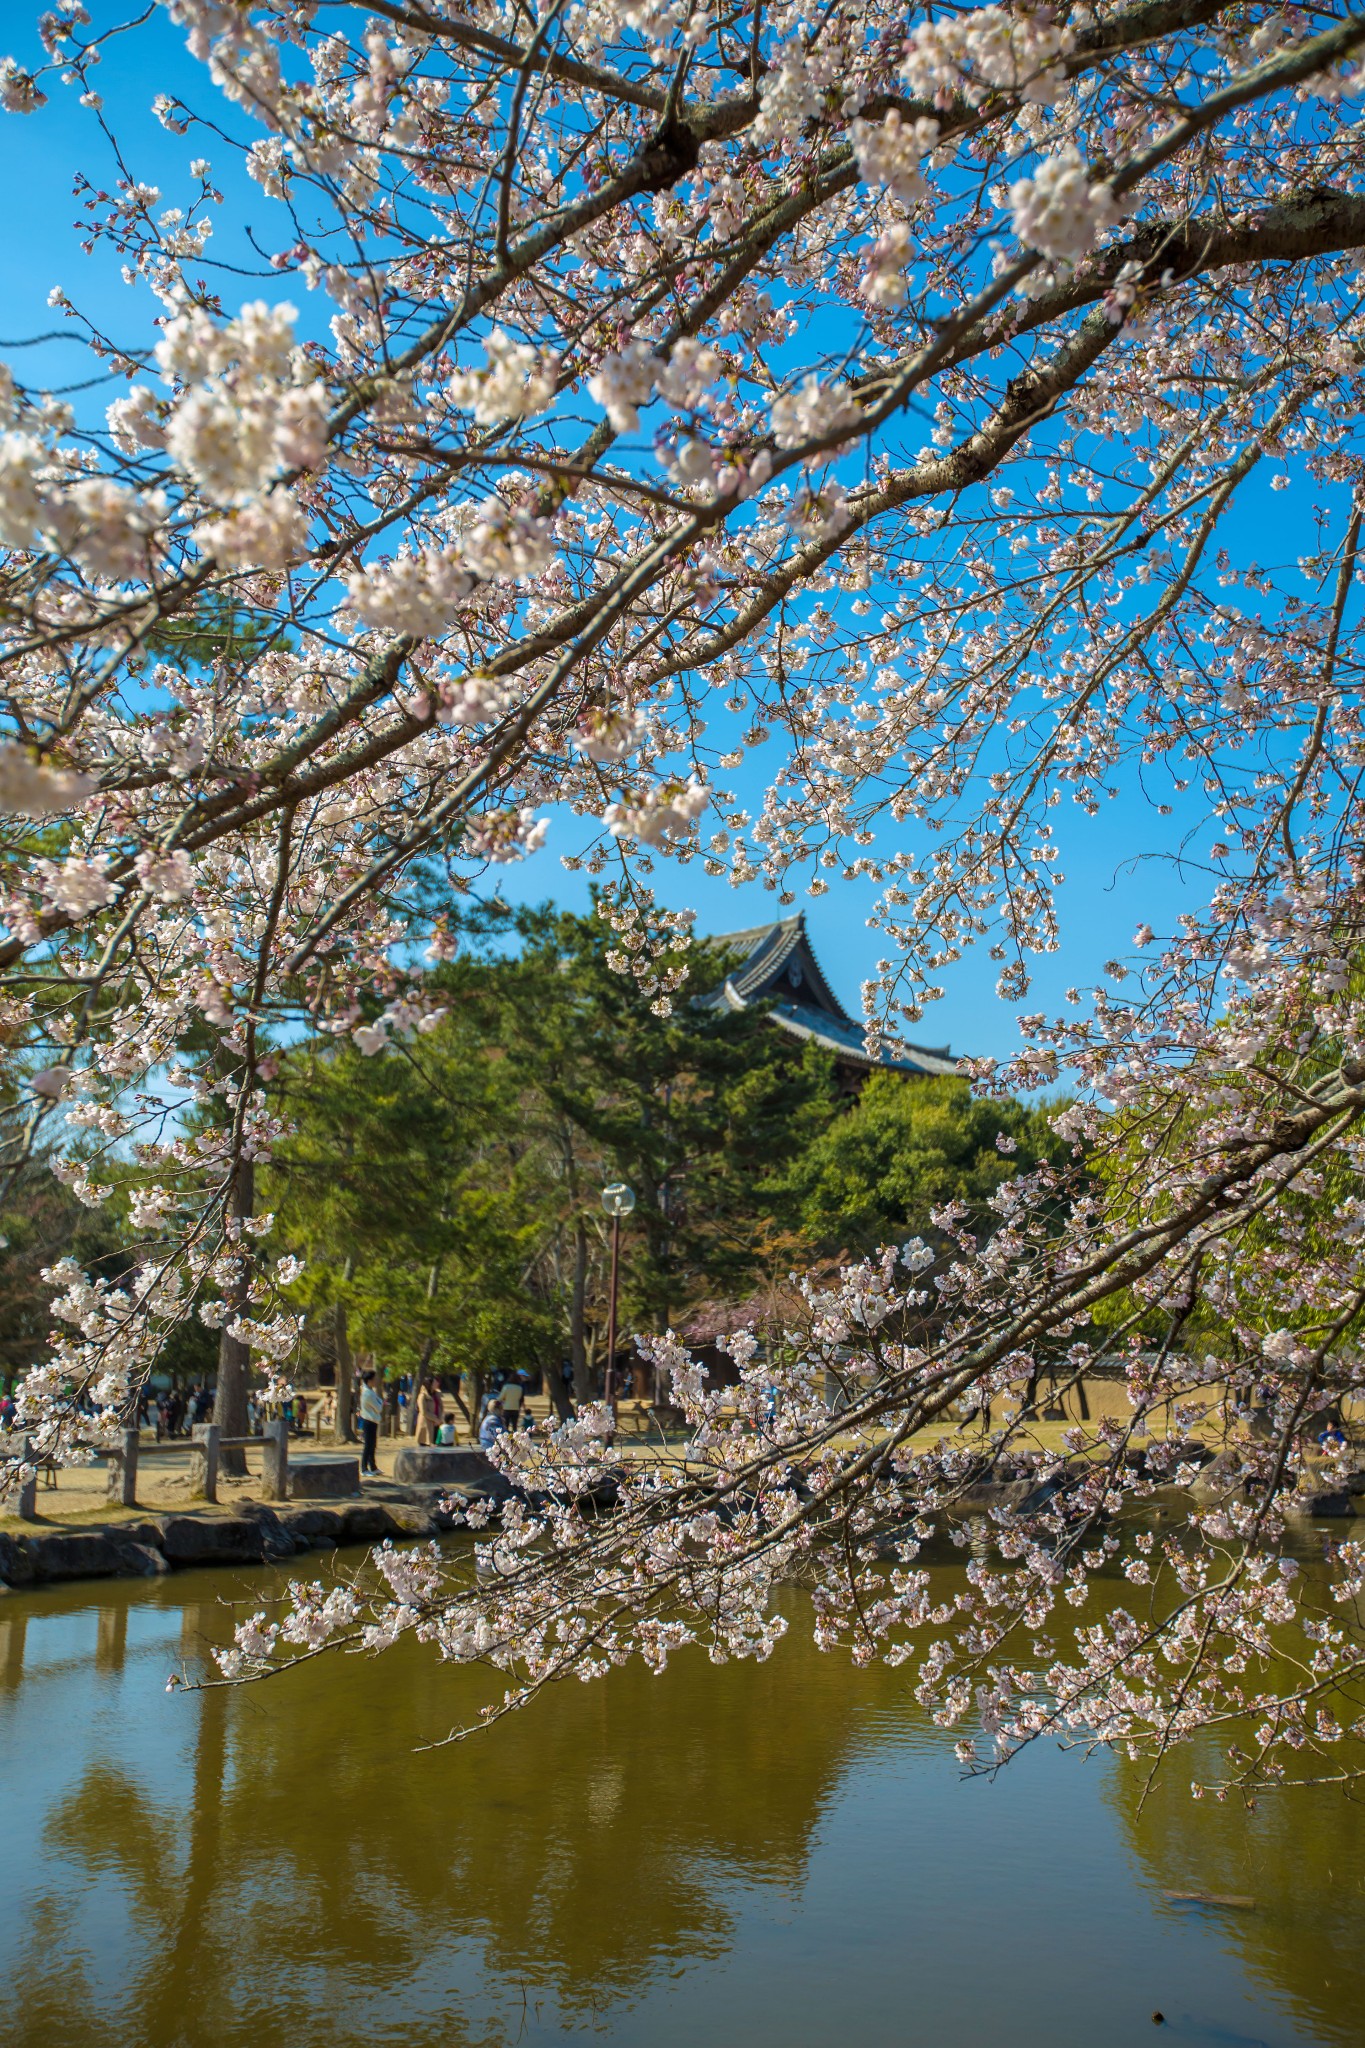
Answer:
(618, 1200)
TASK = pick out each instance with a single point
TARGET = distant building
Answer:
(776, 964)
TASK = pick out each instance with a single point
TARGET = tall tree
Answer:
(698, 1110)
(910, 1148)
(587, 479)
(449, 1198)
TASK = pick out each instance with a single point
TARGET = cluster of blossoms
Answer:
(884, 282)
(810, 411)
(507, 544)
(327, 599)
(1060, 210)
(250, 411)
(892, 153)
(610, 735)
(517, 381)
(623, 383)
(633, 376)
(471, 700)
(506, 836)
(269, 532)
(168, 877)
(32, 788)
(417, 594)
(986, 49)
(107, 527)
(77, 886)
(660, 814)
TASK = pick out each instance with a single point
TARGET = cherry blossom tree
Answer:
(637, 388)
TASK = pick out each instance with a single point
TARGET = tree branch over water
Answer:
(825, 454)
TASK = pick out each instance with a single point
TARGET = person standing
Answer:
(426, 1412)
(371, 1415)
(511, 1397)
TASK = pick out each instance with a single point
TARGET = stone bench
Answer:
(323, 1478)
(445, 1465)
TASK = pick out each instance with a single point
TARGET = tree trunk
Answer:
(343, 1432)
(234, 1357)
(560, 1403)
(578, 1344)
(432, 1278)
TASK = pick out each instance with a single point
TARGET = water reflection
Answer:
(1296, 1858)
(780, 1853)
(13, 1635)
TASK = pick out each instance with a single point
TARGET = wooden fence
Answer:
(207, 1445)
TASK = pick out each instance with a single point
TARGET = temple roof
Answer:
(776, 963)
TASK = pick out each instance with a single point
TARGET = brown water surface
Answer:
(771, 1856)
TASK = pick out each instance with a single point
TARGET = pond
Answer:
(771, 1856)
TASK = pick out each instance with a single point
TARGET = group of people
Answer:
(430, 1426)
(421, 1403)
(172, 1412)
(506, 1407)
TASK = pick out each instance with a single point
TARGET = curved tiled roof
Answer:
(778, 961)
(765, 950)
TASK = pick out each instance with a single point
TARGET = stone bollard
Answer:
(275, 1460)
(27, 1509)
(123, 1471)
(208, 1433)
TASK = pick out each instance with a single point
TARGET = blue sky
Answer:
(1120, 867)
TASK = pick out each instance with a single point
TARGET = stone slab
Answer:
(50, 1556)
(323, 1478)
(16, 1566)
(75, 1554)
(1319, 1504)
(315, 1525)
(253, 1534)
(448, 1465)
(1222, 1476)
(368, 1523)
(217, 1539)
(1011, 1496)
(410, 1520)
(142, 1561)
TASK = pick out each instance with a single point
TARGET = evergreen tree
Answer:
(447, 1195)
(907, 1147)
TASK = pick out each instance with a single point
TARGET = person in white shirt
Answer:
(371, 1415)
